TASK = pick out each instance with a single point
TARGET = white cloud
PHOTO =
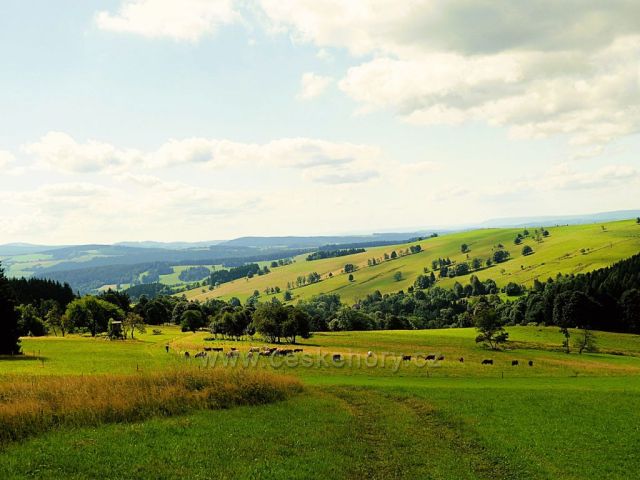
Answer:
(333, 177)
(312, 85)
(566, 177)
(595, 100)
(181, 20)
(6, 159)
(466, 26)
(323, 54)
(59, 151)
(104, 213)
(538, 68)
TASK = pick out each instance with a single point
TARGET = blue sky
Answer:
(209, 119)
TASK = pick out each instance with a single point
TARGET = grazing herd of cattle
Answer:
(233, 352)
(275, 351)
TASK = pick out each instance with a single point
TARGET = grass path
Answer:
(351, 433)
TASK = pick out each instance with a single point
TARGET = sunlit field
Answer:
(355, 417)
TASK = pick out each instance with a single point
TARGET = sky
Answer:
(190, 120)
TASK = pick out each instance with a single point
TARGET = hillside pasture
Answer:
(568, 249)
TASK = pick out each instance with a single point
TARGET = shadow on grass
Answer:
(20, 357)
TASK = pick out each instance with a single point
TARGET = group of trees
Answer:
(248, 270)
(281, 262)
(39, 304)
(320, 254)
(29, 307)
(194, 274)
(538, 234)
(448, 269)
(412, 249)
(302, 280)
(605, 299)
(9, 334)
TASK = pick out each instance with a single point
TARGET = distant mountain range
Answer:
(219, 247)
(559, 219)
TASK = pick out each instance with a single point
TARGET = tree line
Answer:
(320, 254)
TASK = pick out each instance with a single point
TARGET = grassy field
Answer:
(568, 249)
(568, 416)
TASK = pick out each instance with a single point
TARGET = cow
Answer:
(254, 349)
(487, 361)
(441, 357)
(186, 355)
(233, 353)
(430, 357)
(201, 354)
(461, 359)
(207, 349)
(514, 363)
(337, 357)
(406, 357)
(297, 350)
(369, 354)
(233, 349)
(216, 349)
(166, 347)
(531, 363)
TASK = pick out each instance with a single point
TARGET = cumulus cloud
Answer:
(59, 151)
(6, 159)
(466, 26)
(538, 68)
(567, 177)
(104, 213)
(312, 85)
(342, 177)
(181, 20)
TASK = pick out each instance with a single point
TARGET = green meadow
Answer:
(568, 249)
(567, 416)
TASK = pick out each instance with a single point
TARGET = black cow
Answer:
(441, 357)
(487, 361)
(531, 363)
(336, 357)
(216, 349)
(514, 363)
(430, 357)
(186, 355)
(461, 359)
(406, 357)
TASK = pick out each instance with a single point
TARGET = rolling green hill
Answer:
(567, 249)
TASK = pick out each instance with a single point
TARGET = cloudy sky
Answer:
(210, 119)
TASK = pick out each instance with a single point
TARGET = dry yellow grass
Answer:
(30, 405)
